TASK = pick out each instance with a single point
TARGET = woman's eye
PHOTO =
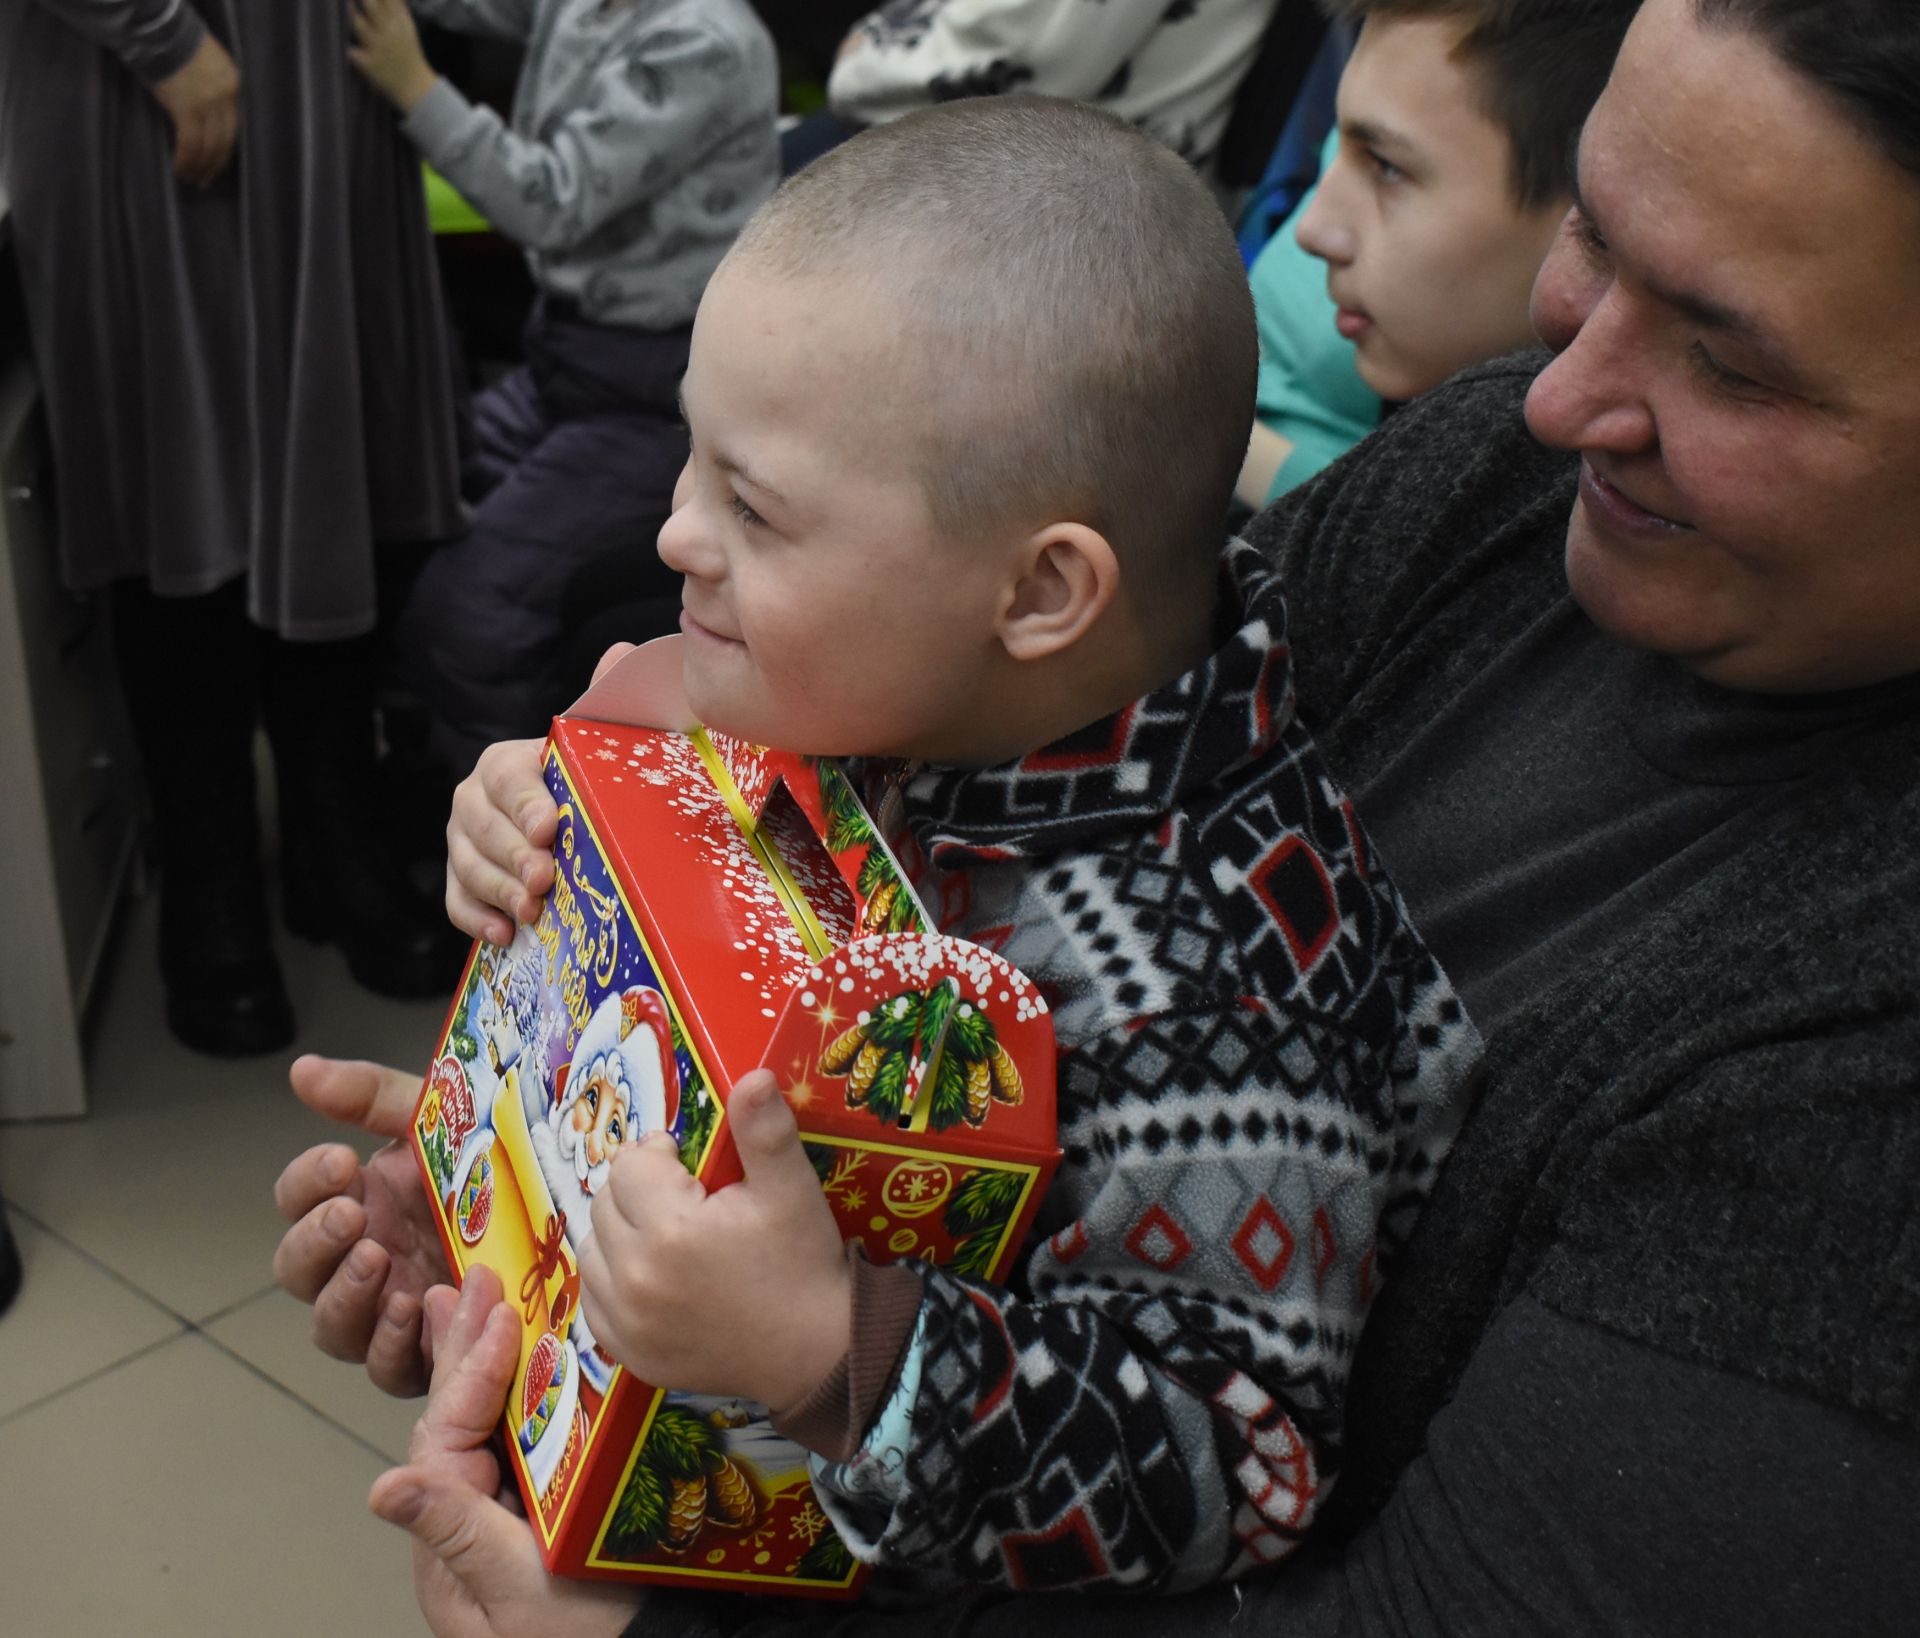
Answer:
(1588, 237)
(1720, 377)
(745, 513)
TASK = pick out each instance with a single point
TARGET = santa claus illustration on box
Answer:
(621, 1084)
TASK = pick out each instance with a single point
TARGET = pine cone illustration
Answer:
(1006, 1078)
(865, 1067)
(874, 919)
(731, 1502)
(842, 1050)
(979, 1086)
(686, 1512)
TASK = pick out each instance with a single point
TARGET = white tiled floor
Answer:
(175, 1458)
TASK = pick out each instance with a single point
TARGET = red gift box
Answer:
(716, 907)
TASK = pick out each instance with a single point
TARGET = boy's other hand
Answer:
(361, 1248)
(741, 1292)
(387, 51)
(203, 101)
(499, 842)
(476, 1570)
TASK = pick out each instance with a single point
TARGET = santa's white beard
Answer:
(573, 1144)
(562, 1154)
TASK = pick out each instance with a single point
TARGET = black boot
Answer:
(341, 876)
(9, 1263)
(186, 669)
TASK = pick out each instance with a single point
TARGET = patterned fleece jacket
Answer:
(1171, 69)
(1261, 1068)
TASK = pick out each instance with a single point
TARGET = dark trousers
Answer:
(198, 677)
(574, 459)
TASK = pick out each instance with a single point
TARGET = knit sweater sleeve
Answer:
(1165, 1408)
(154, 38)
(649, 115)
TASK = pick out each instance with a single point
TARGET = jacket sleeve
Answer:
(501, 19)
(1165, 1409)
(154, 38)
(918, 52)
(651, 114)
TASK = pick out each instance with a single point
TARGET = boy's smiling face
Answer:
(823, 610)
(1428, 258)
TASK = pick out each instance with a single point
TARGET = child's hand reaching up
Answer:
(387, 50)
(498, 842)
(501, 831)
(744, 1291)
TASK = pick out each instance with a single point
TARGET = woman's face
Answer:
(1735, 301)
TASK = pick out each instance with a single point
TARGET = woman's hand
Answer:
(361, 1245)
(203, 101)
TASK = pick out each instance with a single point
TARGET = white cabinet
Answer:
(69, 793)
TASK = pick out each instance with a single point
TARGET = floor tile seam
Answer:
(207, 1320)
(298, 1398)
(95, 1261)
(79, 1382)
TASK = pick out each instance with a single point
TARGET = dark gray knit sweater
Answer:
(1651, 1361)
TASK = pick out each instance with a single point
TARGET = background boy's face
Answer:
(1428, 257)
(823, 610)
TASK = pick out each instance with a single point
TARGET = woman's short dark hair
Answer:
(1864, 54)
(1540, 66)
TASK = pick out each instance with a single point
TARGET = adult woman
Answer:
(1650, 781)
(234, 311)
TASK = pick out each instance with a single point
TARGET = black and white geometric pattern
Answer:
(1261, 1070)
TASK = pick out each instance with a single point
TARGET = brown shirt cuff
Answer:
(833, 1419)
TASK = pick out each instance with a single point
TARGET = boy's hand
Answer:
(476, 1570)
(387, 51)
(203, 101)
(499, 842)
(500, 836)
(744, 1291)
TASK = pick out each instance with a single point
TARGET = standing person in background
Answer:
(642, 138)
(1172, 70)
(235, 311)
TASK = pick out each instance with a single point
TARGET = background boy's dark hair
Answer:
(1864, 54)
(1540, 64)
(1080, 308)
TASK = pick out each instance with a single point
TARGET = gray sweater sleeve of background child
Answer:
(643, 120)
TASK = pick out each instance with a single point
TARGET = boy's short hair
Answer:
(1541, 66)
(1084, 308)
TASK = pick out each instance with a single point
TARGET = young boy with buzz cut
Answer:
(966, 401)
(1448, 173)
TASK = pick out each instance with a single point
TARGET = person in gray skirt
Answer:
(234, 307)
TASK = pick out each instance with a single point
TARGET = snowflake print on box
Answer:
(716, 906)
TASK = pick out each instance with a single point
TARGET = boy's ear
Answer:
(1068, 577)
